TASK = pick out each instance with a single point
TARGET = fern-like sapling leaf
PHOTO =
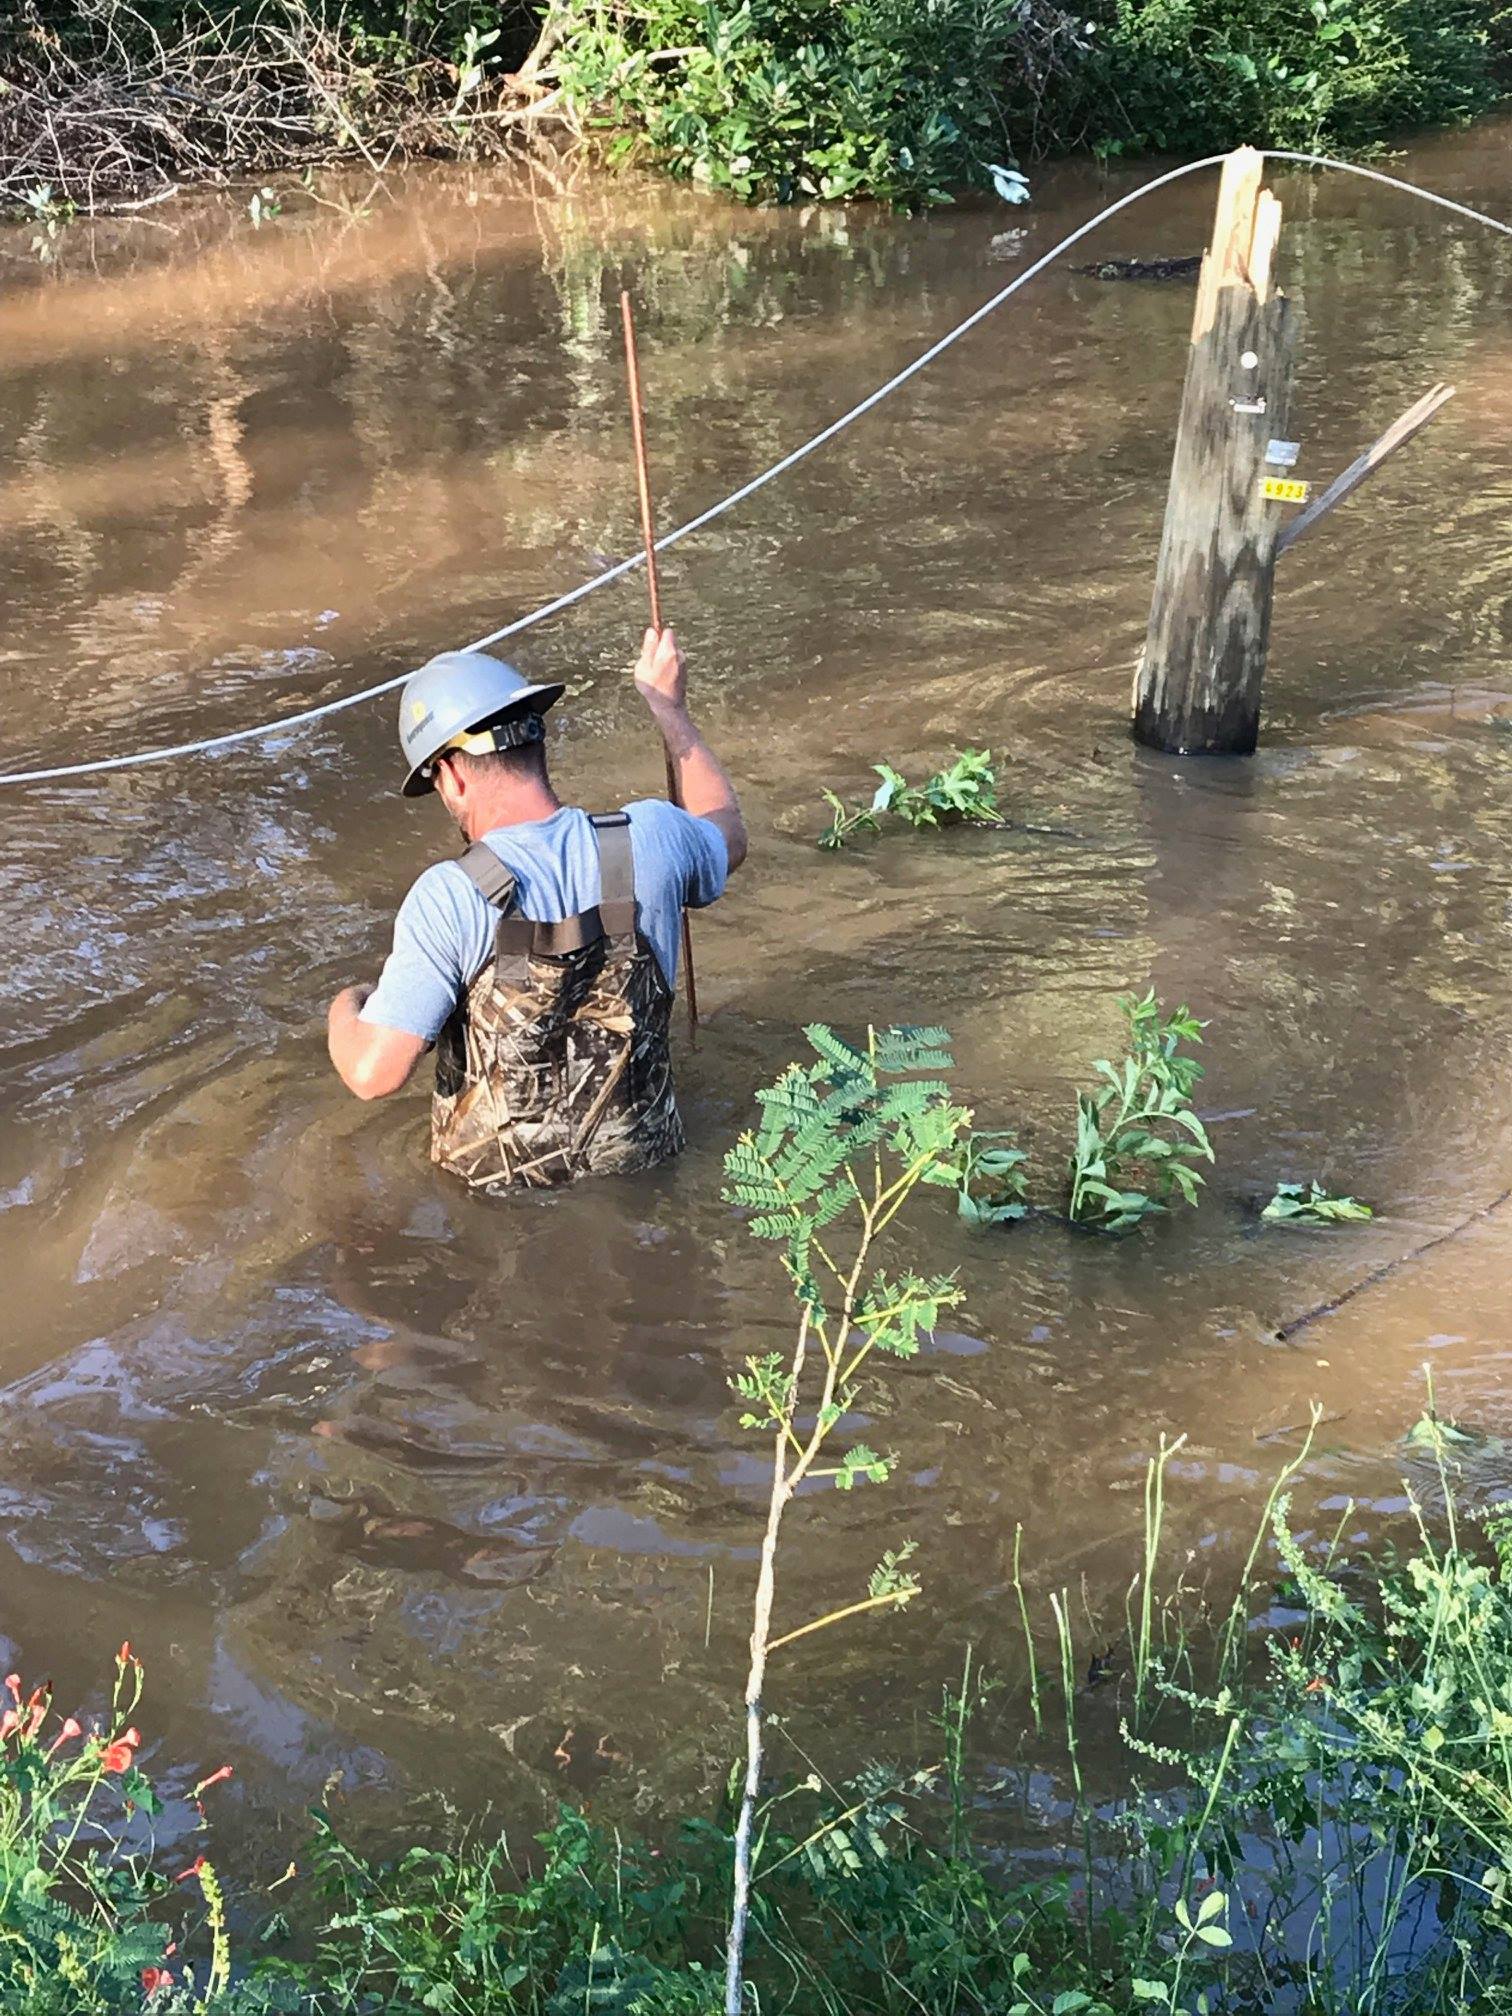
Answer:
(849, 1063)
(862, 1466)
(904, 1048)
(892, 1576)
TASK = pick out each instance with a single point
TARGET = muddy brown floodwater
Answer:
(383, 1479)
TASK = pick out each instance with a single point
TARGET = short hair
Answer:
(523, 765)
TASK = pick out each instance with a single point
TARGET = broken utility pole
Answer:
(1197, 690)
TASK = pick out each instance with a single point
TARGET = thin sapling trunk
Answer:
(842, 1146)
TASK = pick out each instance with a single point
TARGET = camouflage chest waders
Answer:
(556, 1062)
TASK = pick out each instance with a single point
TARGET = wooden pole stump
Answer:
(1197, 690)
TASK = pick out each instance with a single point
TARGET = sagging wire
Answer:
(288, 723)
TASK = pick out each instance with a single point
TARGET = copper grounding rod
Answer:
(653, 588)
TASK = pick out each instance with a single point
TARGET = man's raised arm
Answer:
(703, 786)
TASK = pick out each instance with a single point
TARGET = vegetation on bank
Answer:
(1316, 1813)
(903, 101)
(1331, 1835)
(909, 100)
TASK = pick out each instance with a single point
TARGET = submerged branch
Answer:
(894, 1598)
(1331, 1307)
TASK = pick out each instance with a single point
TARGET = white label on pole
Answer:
(1248, 405)
(1283, 453)
(1249, 360)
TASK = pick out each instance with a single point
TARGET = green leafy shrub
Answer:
(902, 101)
(1499, 47)
(1136, 1135)
(1195, 75)
(908, 101)
(779, 100)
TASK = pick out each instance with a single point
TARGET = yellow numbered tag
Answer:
(1284, 490)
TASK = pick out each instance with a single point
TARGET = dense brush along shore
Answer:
(904, 101)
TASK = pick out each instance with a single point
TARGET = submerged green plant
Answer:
(848, 820)
(1439, 1437)
(991, 1181)
(1311, 1204)
(1136, 1135)
(843, 1144)
(964, 793)
(966, 790)
(1331, 74)
(49, 213)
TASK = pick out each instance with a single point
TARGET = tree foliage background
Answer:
(906, 101)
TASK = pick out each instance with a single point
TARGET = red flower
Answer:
(10, 1722)
(154, 1978)
(37, 1704)
(125, 1656)
(120, 1755)
(215, 1778)
(13, 1681)
(193, 1870)
(66, 1734)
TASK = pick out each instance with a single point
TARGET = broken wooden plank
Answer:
(1397, 435)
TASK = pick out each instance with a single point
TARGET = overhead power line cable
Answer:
(288, 723)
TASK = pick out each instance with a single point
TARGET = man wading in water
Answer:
(542, 963)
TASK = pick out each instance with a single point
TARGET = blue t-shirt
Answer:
(444, 933)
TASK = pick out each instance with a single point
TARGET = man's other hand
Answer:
(662, 672)
(372, 1061)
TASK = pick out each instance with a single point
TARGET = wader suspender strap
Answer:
(488, 874)
(515, 936)
(614, 916)
(616, 908)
